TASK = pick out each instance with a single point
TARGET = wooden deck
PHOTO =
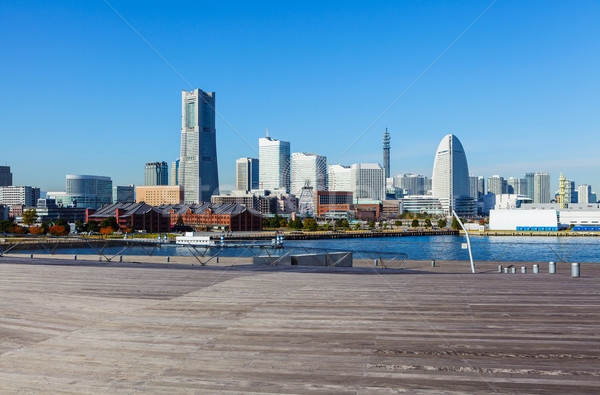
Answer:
(76, 327)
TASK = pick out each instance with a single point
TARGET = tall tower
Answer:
(198, 170)
(156, 173)
(246, 174)
(386, 153)
(274, 159)
(562, 181)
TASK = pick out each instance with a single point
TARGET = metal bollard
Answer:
(499, 268)
(99, 259)
(552, 267)
(505, 270)
(217, 260)
(74, 257)
(120, 258)
(376, 262)
(523, 269)
(513, 270)
(574, 269)
(536, 269)
(31, 256)
(168, 259)
(432, 263)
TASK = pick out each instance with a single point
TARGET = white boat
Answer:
(194, 238)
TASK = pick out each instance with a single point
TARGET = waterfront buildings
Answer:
(333, 204)
(157, 173)
(584, 193)
(541, 188)
(496, 185)
(209, 216)
(529, 177)
(19, 196)
(308, 170)
(367, 181)
(274, 159)
(133, 216)
(155, 195)
(85, 191)
(450, 181)
(246, 174)
(517, 186)
(338, 178)
(5, 176)
(48, 210)
(386, 153)
(412, 184)
(198, 169)
(122, 193)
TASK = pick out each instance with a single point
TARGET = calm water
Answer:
(572, 249)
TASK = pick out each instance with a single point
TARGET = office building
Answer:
(541, 188)
(19, 195)
(584, 193)
(85, 192)
(246, 174)
(123, 194)
(155, 195)
(386, 153)
(175, 172)
(308, 170)
(451, 183)
(333, 204)
(338, 178)
(157, 173)
(476, 186)
(367, 181)
(517, 186)
(412, 184)
(48, 210)
(496, 185)
(5, 176)
(274, 159)
(529, 179)
(198, 170)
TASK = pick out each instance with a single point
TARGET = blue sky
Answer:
(81, 93)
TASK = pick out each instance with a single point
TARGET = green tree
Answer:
(274, 222)
(110, 222)
(455, 225)
(356, 226)
(282, 223)
(371, 224)
(296, 224)
(427, 223)
(414, 223)
(345, 224)
(30, 216)
(79, 226)
(92, 226)
(398, 224)
(310, 224)
(442, 223)
(45, 227)
(5, 226)
(179, 221)
(385, 225)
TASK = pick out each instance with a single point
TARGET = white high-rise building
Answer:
(541, 188)
(517, 186)
(246, 174)
(19, 195)
(308, 170)
(367, 181)
(496, 184)
(338, 178)
(450, 181)
(413, 184)
(274, 159)
(198, 169)
(584, 193)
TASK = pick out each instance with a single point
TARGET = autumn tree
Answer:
(30, 216)
(36, 230)
(58, 230)
(106, 230)
(110, 222)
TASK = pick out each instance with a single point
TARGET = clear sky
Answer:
(82, 93)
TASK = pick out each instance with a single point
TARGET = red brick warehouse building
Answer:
(205, 216)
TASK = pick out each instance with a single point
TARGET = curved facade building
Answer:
(450, 181)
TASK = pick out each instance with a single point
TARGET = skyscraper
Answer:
(156, 173)
(123, 194)
(386, 153)
(308, 170)
(529, 178)
(5, 176)
(450, 181)
(413, 184)
(473, 185)
(367, 181)
(541, 188)
(198, 169)
(496, 185)
(517, 186)
(246, 174)
(584, 192)
(175, 172)
(86, 191)
(274, 159)
(338, 178)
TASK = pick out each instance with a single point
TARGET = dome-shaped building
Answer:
(450, 181)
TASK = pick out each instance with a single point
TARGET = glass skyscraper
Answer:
(274, 159)
(198, 170)
(246, 174)
(157, 173)
(87, 191)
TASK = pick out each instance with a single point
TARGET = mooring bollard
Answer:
(552, 267)
(499, 268)
(513, 270)
(505, 270)
(432, 263)
(574, 269)
(376, 262)
(74, 257)
(120, 258)
(31, 256)
(99, 259)
(536, 269)
(168, 259)
(523, 269)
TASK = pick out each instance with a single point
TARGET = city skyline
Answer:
(502, 83)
